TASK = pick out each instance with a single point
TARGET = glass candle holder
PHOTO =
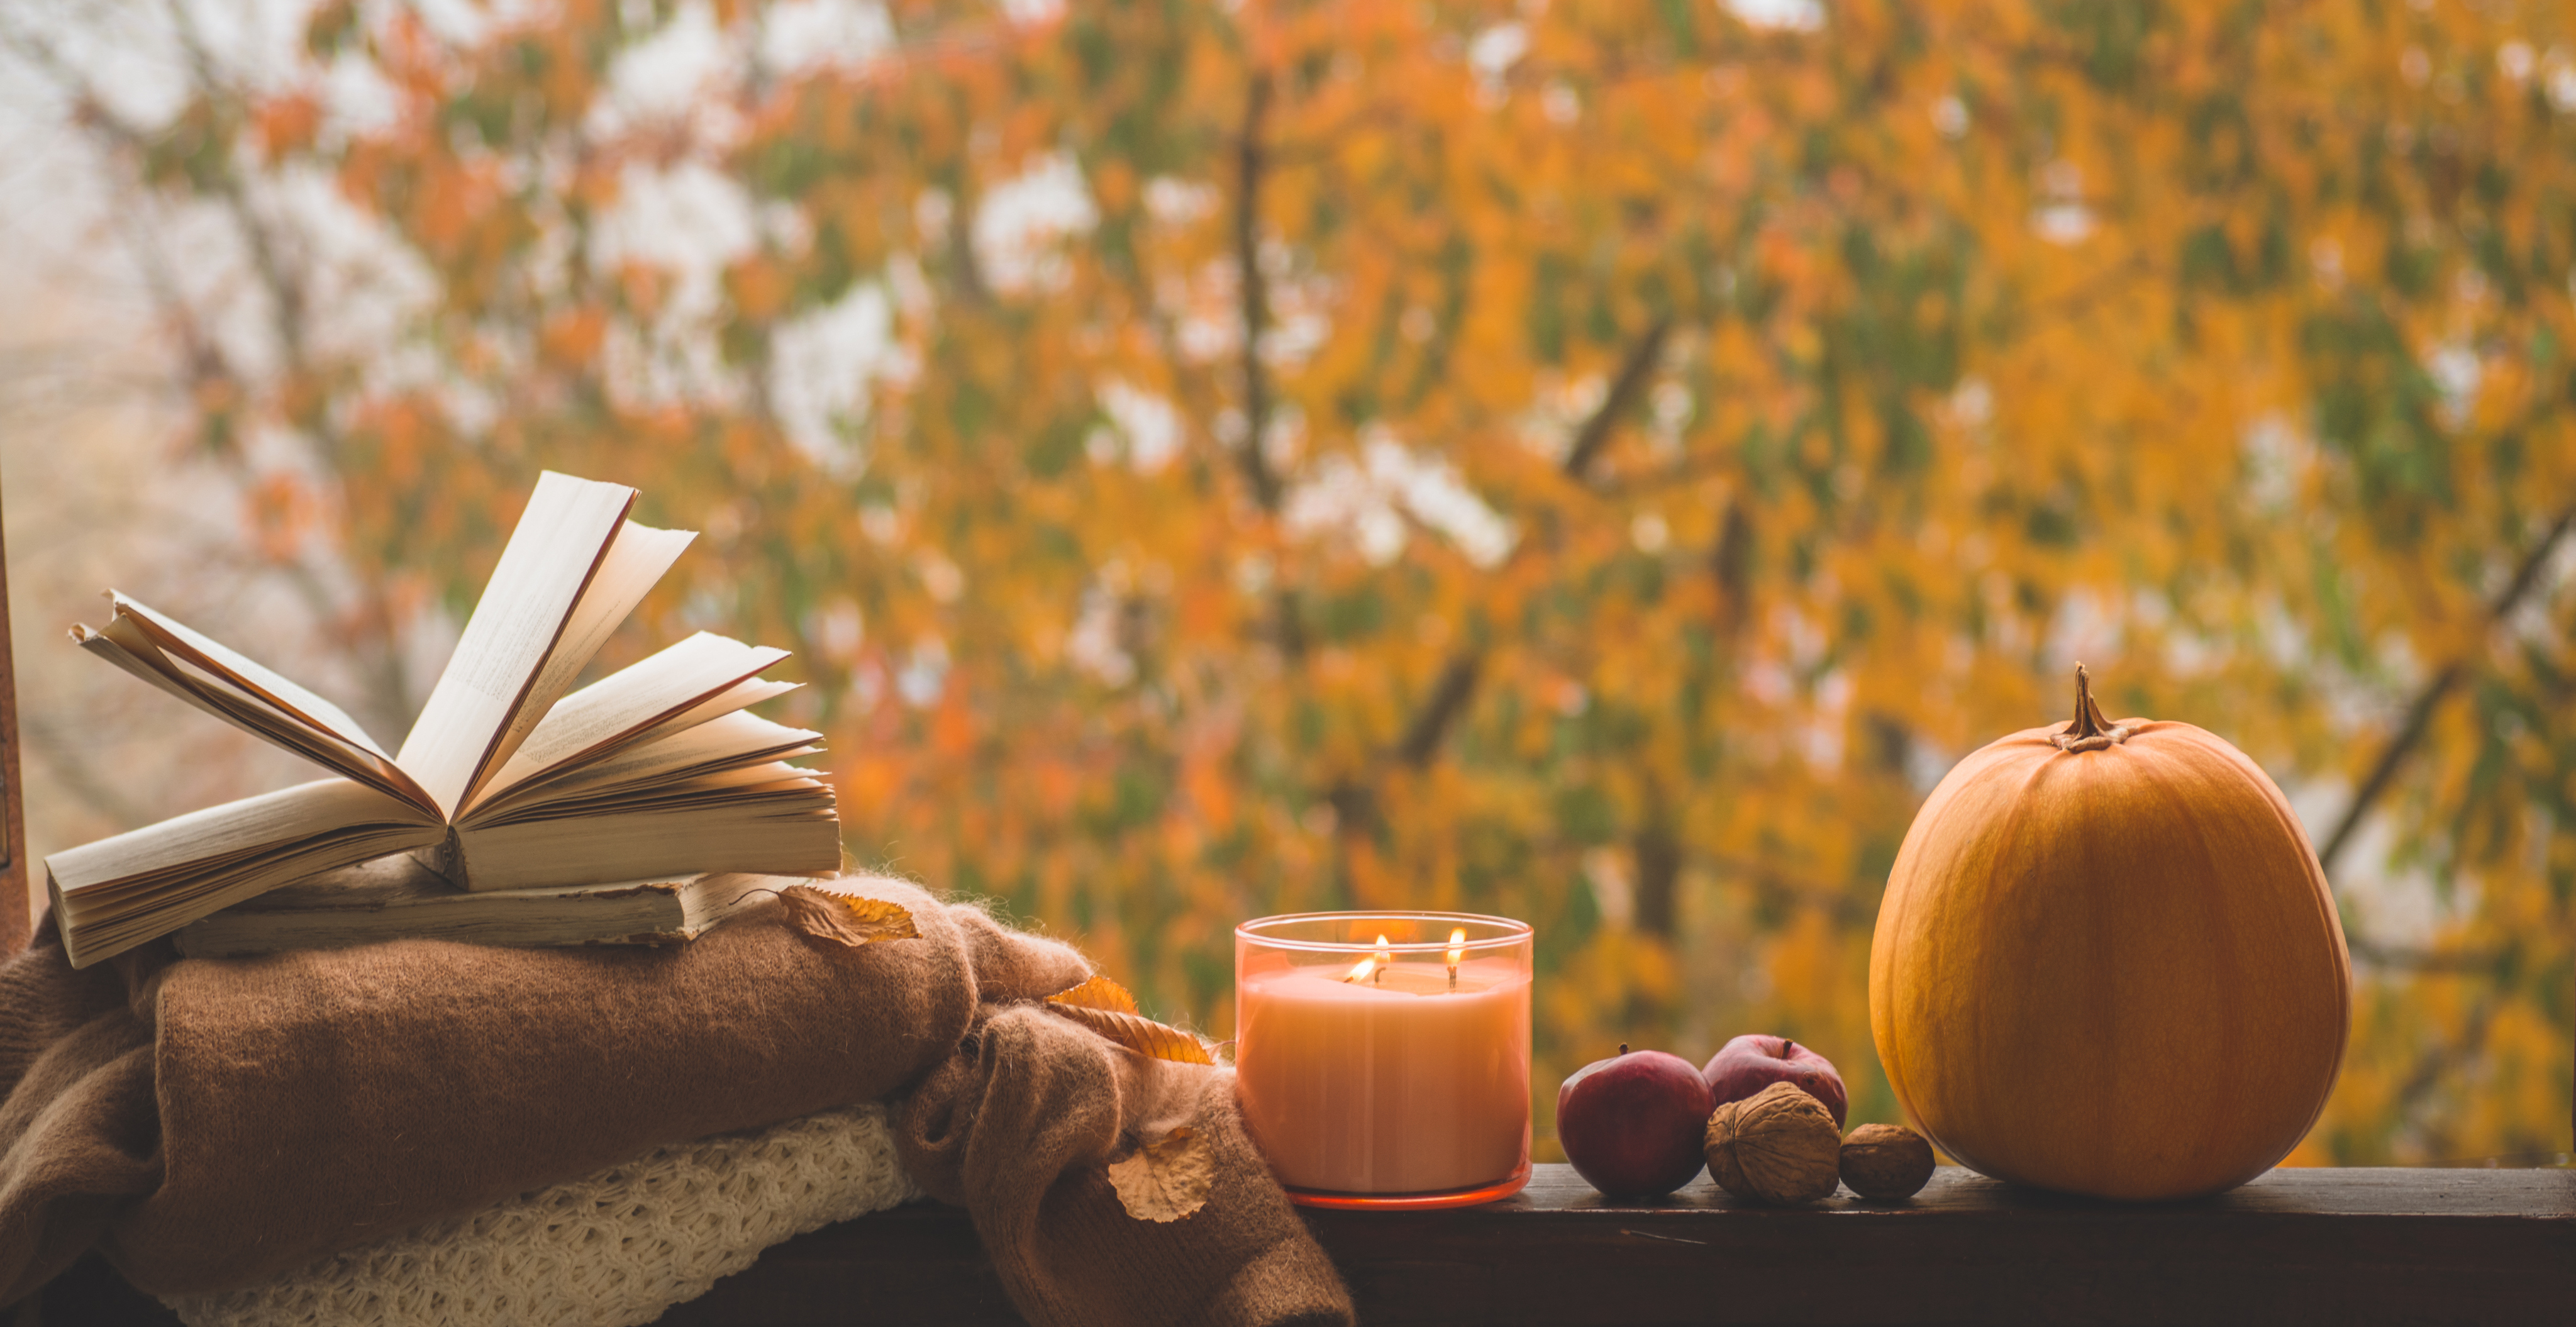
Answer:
(1383, 1058)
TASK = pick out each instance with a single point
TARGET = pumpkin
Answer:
(2107, 963)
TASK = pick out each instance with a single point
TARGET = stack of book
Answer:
(653, 782)
(395, 897)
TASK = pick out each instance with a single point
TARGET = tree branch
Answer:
(286, 293)
(1658, 853)
(2419, 715)
(1690, 469)
(382, 669)
(1457, 685)
(1779, 889)
(2410, 959)
(1256, 295)
(2440, 1064)
(1440, 709)
(964, 267)
(1731, 563)
(1622, 397)
(1251, 160)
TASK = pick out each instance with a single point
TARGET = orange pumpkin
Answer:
(2107, 963)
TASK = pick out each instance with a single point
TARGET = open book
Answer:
(652, 771)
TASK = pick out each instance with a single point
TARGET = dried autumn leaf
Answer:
(1097, 993)
(848, 919)
(1141, 1035)
(1165, 1180)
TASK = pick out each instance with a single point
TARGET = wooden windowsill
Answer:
(2297, 1246)
(2325, 1246)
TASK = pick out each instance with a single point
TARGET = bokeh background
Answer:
(1593, 462)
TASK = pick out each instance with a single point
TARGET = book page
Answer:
(622, 706)
(207, 653)
(739, 696)
(635, 563)
(720, 743)
(134, 871)
(159, 902)
(559, 543)
(801, 838)
(771, 781)
(329, 738)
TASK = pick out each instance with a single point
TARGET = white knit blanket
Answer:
(608, 1250)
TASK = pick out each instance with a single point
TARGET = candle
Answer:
(1401, 1071)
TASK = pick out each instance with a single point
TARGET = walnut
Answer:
(1886, 1161)
(1777, 1146)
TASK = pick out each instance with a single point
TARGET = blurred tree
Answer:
(1592, 462)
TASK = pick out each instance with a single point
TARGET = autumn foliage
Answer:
(1592, 462)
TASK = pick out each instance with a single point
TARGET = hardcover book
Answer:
(397, 897)
(506, 782)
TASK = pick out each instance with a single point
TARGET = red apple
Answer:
(1749, 1064)
(1635, 1125)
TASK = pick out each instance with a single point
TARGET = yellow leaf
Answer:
(1141, 1035)
(1097, 993)
(1165, 1180)
(849, 919)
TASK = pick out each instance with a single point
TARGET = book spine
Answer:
(445, 858)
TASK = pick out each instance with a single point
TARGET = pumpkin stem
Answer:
(2090, 731)
(2088, 716)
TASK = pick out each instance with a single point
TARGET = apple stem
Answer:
(1623, 1048)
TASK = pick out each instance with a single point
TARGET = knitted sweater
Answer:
(210, 1124)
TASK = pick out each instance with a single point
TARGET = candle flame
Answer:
(1367, 969)
(1457, 946)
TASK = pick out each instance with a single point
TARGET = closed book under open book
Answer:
(505, 782)
(398, 898)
